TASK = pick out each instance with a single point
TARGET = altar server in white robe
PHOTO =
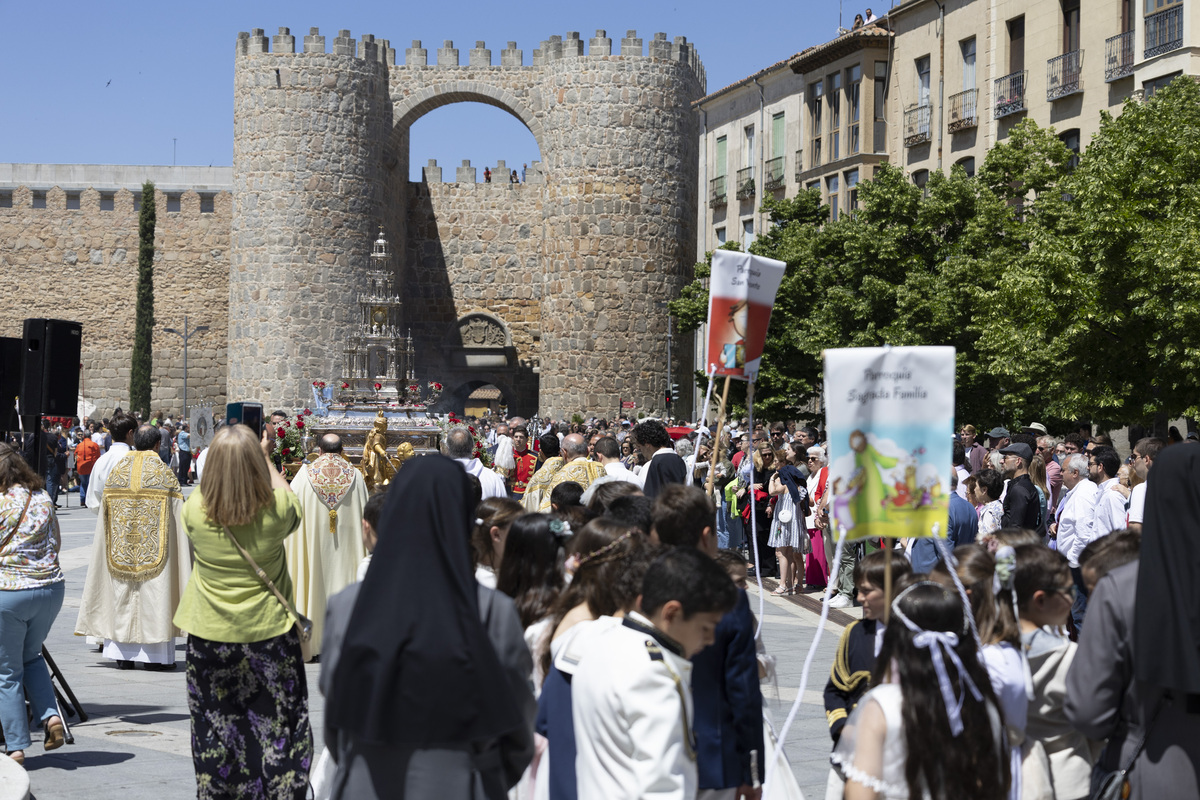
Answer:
(631, 697)
(121, 426)
(324, 553)
(140, 561)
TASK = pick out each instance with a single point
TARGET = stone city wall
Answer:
(618, 144)
(81, 264)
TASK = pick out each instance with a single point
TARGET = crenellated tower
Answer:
(321, 161)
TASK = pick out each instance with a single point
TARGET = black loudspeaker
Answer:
(50, 374)
(10, 381)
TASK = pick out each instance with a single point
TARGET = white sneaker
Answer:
(840, 601)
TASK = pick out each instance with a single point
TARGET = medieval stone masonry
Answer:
(553, 289)
(73, 255)
(571, 269)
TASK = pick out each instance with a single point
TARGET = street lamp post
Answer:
(185, 335)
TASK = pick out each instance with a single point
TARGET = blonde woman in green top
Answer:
(247, 692)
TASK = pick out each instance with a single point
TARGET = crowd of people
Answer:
(574, 622)
(73, 446)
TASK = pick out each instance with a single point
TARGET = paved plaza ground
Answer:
(135, 743)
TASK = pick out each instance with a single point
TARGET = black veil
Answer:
(417, 666)
(1166, 650)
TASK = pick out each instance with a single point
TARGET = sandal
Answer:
(55, 734)
(18, 757)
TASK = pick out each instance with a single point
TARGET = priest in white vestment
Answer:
(324, 553)
(140, 560)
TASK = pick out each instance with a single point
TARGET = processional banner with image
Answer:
(890, 424)
(201, 423)
(741, 295)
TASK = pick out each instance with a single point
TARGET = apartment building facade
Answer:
(845, 115)
(749, 133)
(965, 73)
(815, 119)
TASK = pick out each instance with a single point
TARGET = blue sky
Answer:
(147, 82)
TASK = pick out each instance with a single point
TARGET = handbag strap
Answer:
(287, 604)
(20, 519)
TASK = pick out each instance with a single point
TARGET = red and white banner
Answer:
(741, 295)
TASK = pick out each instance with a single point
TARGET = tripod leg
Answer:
(68, 737)
(66, 687)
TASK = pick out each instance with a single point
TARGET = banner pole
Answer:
(887, 579)
(716, 456)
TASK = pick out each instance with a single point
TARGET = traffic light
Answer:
(674, 391)
(668, 398)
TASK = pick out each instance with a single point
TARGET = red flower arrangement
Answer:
(437, 387)
(378, 386)
(345, 385)
(288, 433)
(321, 384)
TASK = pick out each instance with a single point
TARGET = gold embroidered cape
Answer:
(140, 555)
(580, 471)
(324, 552)
(539, 484)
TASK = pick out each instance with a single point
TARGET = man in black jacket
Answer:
(664, 465)
(1022, 506)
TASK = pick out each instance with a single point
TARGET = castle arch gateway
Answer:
(574, 266)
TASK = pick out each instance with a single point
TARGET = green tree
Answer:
(1136, 342)
(141, 367)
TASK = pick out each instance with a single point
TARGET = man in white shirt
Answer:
(1144, 453)
(122, 427)
(460, 445)
(870, 17)
(631, 696)
(1075, 527)
(608, 453)
(1103, 464)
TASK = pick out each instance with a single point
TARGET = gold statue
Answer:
(376, 467)
(404, 451)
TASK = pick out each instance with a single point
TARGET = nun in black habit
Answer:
(425, 672)
(1135, 680)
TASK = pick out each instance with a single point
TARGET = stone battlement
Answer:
(58, 198)
(556, 48)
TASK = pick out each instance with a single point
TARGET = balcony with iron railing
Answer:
(799, 164)
(1010, 94)
(916, 125)
(717, 194)
(1164, 31)
(745, 183)
(1118, 56)
(773, 174)
(1064, 75)
(964, 110)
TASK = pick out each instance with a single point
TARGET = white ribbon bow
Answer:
(941, 644)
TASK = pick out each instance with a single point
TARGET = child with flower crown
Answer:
(931, 725)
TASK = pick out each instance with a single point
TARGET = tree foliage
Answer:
(1070, 287)
(141, 368)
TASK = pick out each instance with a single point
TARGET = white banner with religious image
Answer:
(200, 420)
(890, 423)
(740, 298)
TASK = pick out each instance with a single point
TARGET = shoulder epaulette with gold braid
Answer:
(840, 673)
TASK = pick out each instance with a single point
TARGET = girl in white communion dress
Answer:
(931, 727)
